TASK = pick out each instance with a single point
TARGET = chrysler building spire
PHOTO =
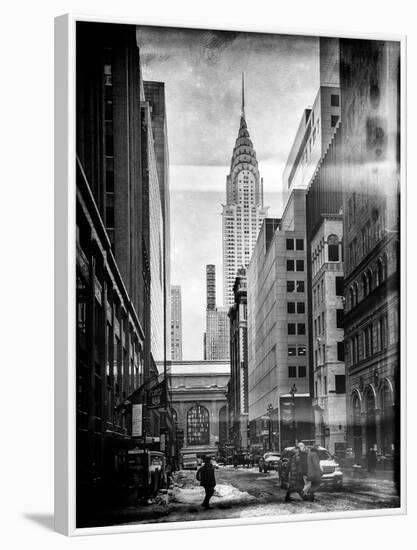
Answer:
(243, 95)
(244, 211)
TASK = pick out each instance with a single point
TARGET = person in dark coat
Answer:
(207, 479)
(313, 474)
(290, 475)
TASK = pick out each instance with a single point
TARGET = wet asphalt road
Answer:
(357, 494)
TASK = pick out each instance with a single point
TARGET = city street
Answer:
(244, 493)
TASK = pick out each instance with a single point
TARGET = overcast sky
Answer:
(202, 74)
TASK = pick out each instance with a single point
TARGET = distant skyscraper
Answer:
(211, 286)
(217, 336)
(176, 323)
(244, 212)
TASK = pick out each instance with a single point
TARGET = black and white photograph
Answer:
(237, 274)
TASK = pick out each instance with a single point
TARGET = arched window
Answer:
(370, 280)
(351, 298)
(355, 294)
(198, 426)
(365, 285)
(333, 248)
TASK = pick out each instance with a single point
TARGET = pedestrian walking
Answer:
(290, 475)
(313, 474)
(303, 465)
(207, 479)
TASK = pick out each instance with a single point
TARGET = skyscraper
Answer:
(176, 323)
(244, 211)
(217, 336)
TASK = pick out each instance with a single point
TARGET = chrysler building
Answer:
(244, 211)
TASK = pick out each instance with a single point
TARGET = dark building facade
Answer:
(155, 97)
(370, 110)
(113, 352)
(238, 386)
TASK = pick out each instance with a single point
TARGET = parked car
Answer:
(271, 461)
(332, 474)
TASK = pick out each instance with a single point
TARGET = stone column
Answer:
(378, 418)
(363, 433)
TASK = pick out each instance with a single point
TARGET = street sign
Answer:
(156, 396)
(137, 411)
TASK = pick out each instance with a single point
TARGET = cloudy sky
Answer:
(202, 74)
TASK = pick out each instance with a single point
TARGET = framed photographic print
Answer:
(229, 282)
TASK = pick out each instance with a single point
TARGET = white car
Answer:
(331, 472)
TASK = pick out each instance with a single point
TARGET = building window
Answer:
(334, 120)
(333, 248)
(290, 244)
(339, 286)
(301, 307)
(290, 265)
(110, 217)
(198, 426)
(300, 265)
(302, 371)
(292, 372)
(290, 307)
(340, 383)
(340, 351)
(334, 100)
(299, 244)
(291, 351)
(291, 328)
(339, 318)
(301, 328)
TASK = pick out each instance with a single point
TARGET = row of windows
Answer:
(295, 286)
(299, 244)
(295, 265)
(370, 279)
(371, 339)
(293, 307)
(296, 328)
(292, 371)
(293, 350)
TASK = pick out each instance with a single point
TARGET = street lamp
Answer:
(270, 410)
(293, 391)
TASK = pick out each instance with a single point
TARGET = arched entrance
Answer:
(370, 422)
(357, 428)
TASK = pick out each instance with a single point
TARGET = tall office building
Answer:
(244, 211)
(278, 331)
(217, 336)
(155, 97)
(176, 323)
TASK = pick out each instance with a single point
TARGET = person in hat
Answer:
(207, 479)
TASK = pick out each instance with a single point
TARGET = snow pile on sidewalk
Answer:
(222, 494)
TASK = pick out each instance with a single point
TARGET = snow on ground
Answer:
(222, 494)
